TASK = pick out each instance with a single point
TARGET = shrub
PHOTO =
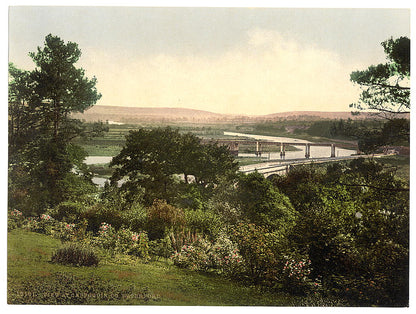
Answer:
(133, 243)
(46, 224)
(296, 276)
(194, 256)
(134, 218)
(221, 256)
(161, 247)
(123, 241)
(260, 251)
(15, 219)
(99, 213)
(163, 218)
(264, 205)
(204, 222)
(68, 211)
(32, 224)
(75, 254)
(225, 257)
(64, 231)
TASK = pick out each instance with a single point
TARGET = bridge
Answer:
(233, 146)
(283, 167)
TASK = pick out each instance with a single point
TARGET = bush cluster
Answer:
(75, 254)
(221, 256)
(123, 241)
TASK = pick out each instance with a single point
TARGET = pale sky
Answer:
(224, 60)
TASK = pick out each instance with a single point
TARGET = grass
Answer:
(33, 279)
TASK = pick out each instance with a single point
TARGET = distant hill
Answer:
(141, 114)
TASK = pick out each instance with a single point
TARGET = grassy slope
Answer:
(28, 260)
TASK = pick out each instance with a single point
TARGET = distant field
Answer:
(111, 143)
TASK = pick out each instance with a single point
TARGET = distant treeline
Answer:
(343, 129)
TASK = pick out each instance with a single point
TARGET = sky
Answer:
(226, 60)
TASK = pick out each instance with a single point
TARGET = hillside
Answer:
(135, 115)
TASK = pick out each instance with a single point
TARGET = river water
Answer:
(315, 151)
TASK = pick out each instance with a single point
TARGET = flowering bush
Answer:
(194, 257)
(129, 242)
(296, 276)
(63, 231)
(222, 256)
(32, 224)
(106, 230)
(123, 241)
(106, 236)
(15, 219)
(46, 224)
(16, 213)
(226, 258)
(45, 217)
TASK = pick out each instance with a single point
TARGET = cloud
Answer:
(266, 73)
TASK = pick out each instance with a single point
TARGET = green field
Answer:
(32, 279)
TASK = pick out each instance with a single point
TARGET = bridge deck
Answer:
(262, 142)
(277, 167)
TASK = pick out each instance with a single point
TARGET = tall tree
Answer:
(60, 87)
(40, 126)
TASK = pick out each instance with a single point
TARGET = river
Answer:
(315, 151)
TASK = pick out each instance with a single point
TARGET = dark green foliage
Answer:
(100, 213)
(161, 247)
(260, 251)
(355, 228)
(40, 127)
(261, 203)
(151, 159)
(67, 211)
(76, 255)
(203, 222)
(190, 196)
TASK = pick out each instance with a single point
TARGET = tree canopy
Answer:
(41, 129)
(386, 93)
(386, 86)
(151, 158)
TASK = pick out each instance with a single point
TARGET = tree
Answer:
(40, 127)
(61, 88)
(150, 159)
(262, 203)
(385, 87)
(386, 94)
